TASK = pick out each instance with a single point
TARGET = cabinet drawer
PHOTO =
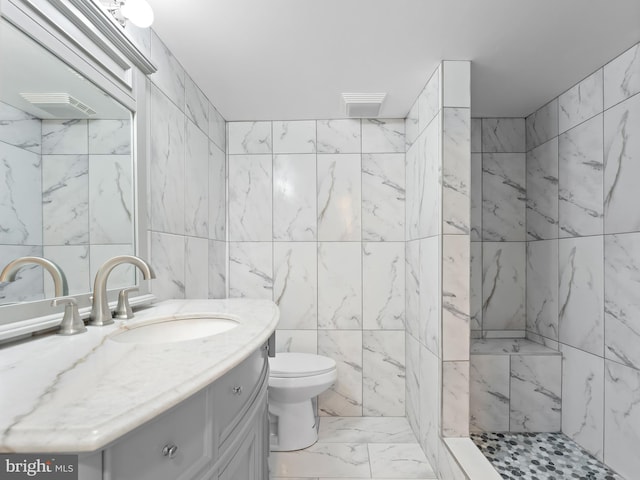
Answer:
(147, 452)
(232, 394)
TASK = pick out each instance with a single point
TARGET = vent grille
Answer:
(363, 105)
(61, 105)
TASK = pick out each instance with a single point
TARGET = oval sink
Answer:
(176, 330)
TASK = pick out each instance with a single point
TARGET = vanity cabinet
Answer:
(220, 433)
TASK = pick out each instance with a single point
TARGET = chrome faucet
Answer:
(100, 313)
(60, 286)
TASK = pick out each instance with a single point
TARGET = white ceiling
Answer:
(291, 59)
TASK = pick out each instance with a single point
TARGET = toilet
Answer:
(295, 380)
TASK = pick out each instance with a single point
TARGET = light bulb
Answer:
(138, 12)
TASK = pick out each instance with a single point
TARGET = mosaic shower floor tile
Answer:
(540, 456)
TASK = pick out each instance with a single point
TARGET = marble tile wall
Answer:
(583, 232)
(438, 229)
(80, 209)
(187, 182)
(498, 226)
(317, 223)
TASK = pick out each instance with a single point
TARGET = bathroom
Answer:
(400, 278)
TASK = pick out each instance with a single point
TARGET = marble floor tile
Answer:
(365, 430)
(399, 460)
(323, 460)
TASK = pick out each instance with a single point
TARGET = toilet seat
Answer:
(296, 365)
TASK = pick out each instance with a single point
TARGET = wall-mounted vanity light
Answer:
(138, 12)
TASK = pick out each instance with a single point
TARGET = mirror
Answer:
(66, 172)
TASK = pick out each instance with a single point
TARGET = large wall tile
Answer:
(430, 388)
(383, 287)
(503, 286)
(412, 124)
(383, 197)
(294, 137)
(535, 393)
(476, 135)
(302, 341)
(542, 125)
(475, 286)
(412, 381)
(70, 258)
(249, 137)
(581, 293)
(542, 191)
(20, 208)
(250, 198)
(503, 135)
(20, 129)
(110, 137)
(580, 176)
(412, 287)
(217, 128)
(580, 102)
(621, 419)
(196, 267)
(217, 193)
(622, 167)
(503, 197)
(295, 284)
(217, 269)
(166, 165)
(429, 183)
(622, 290)
(339, 197)
(339, 136)
(196, 201)
(250, 269)
(64, 137)
(622, 77)
(196, 105)
(475, 197)
(344, 398)
(489, 391)
(542, 288)
(383, 373)
(430, 294)
(456, 171)
(414, 172)
(429, 100)
(29, 282)
(456, 83)
(294, 197)
(110, 199)
(383, 135)
(65, 199)
(339, 285)
(583, 399)
(168, 262)
(455, 297)
(170, 75)
(455, 399)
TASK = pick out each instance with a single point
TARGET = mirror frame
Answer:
(86, 37)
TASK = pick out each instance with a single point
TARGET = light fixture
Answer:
(138, 12)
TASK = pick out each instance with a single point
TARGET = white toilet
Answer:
(295, 379)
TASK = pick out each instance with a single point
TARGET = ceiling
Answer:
(291, 59)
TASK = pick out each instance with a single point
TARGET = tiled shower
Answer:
(555, 262)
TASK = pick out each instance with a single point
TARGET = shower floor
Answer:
(540, 456)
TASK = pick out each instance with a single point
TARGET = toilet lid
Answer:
(288, 364)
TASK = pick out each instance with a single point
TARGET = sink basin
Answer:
(176, 329)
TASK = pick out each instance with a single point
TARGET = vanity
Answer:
(147, 406)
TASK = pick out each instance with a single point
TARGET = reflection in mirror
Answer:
(66, 172)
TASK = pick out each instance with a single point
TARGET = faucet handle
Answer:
(123, 310)
(71, 322)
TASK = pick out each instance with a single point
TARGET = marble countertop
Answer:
(79, 393)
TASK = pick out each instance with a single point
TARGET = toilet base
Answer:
(294, 424)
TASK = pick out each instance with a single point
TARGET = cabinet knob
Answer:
(237, 390)
(170, 450)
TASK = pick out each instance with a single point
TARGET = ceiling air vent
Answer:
(60, 105)
(363, 105)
